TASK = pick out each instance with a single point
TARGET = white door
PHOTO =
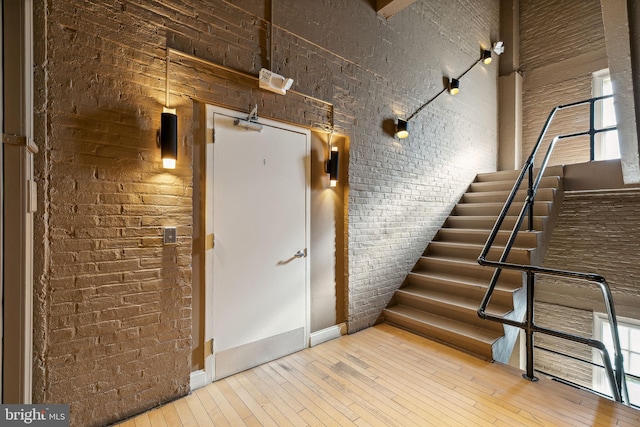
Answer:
(260, 223)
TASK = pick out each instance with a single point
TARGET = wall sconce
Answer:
(486, 56)
(454, 86)
(169, 138)
(332, 166)
(402, 129)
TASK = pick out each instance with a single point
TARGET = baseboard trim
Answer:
(198, 379)
(326, 334)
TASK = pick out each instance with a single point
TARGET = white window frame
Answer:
(596, 91)
(600, 380)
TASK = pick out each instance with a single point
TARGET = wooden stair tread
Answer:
(487, 222)
(478, 246)
(465, 280)
(482, 234)
(444, 298)
(520, 194)
(451, 259)
(476, 333)
(513, 174)
(545, 179)
(491, 217)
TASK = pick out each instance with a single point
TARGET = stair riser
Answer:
(485, 209)
(481, 349)
(512, 175)
(439, 308)
(515, 256)
(469, 270)
(543, 195)
(488, 223)
(547, 182)
(523, 240)
(503, 297)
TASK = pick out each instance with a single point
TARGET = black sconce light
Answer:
(454, 86)
(486, 57)
(332, 166)
(169, 138)
(402, 129)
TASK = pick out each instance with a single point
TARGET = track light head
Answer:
(402, 129)
(454, 86)
(486, 56)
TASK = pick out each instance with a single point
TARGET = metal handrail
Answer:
(617, 380)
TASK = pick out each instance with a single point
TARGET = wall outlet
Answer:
(170, 236)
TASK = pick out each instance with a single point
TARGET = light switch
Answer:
(170, 236)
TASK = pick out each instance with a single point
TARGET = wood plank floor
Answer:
(384, 376)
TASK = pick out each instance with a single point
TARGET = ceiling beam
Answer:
(388, 8)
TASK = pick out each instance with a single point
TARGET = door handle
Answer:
(301, 254)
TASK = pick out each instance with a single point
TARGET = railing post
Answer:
(592, 129)
(530, 197)
(529, 375)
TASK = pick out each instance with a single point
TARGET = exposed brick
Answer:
(103, 270)
(552, 31)
(592, 232)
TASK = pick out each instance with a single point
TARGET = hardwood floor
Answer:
(384, 376)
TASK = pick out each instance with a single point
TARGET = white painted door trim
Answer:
(208, 191)
(18, 187)
(1, 206)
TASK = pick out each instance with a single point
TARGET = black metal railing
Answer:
(591, 363)
(616, 377)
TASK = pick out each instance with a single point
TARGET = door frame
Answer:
(208, 238)
(18, 186)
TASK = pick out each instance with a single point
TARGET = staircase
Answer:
(440, 296)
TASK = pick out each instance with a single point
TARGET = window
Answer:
(629, 331)
(606, 143)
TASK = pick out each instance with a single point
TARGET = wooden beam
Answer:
(388, 8)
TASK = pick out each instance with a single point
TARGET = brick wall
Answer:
(113, 319)
(572, 321)
(561, 45)
(596, 232)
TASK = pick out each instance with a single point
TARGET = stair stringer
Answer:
(503, 347)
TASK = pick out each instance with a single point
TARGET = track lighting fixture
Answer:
(486, 56)
(454, 86)
(169, 138)
(402, 129)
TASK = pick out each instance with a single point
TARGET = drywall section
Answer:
(113, 325)
(561, 45)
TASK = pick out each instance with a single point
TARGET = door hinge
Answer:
(21, 141)
(210, 242)
(213, 346)
(208, 348)
(14, 139)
